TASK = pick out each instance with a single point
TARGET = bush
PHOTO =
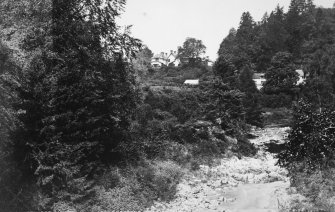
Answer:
(183, 104)
(132, 188)
(116, 199)
(317, 186)
(245, 148)
(311, 138)
(309, 154)
(165, 179)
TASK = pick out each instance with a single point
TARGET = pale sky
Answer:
(163, 25)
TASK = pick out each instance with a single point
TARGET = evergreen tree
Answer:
(319, 54)
(272, 38)
(77, 96)
(246, 84)
(253, 113)
(225, 69)
(245, 38)
(228, 44)
(299, 20)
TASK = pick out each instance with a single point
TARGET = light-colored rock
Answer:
(246, 184)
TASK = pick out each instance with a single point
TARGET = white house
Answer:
(191, 82)
(259, 80)
(301, 76)
(165, 59)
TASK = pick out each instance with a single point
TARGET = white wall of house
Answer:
(192, 82)
(259, 83)
(259, 80)
(301, 76)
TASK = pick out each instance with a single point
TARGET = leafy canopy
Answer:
(192, 48)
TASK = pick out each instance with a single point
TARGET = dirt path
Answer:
(250, 184)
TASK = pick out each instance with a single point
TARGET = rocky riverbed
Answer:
(252, 184)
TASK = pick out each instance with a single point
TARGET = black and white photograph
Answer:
(167, 105)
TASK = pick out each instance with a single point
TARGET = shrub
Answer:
(311, 138)
(244, 147)
(309, 154)
(116, 199)
(132, 188)
(317, 186)
(110, 179)
(165, 179)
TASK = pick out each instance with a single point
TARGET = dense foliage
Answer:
(74, 100)
(142, 63)
(251, 100)
(282, 42)
(281, 76)
(191, 49)
(311, 138)
(301, 38)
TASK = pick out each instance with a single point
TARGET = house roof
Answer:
(159, 56)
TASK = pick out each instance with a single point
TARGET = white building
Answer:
(165, 59)
(191, 82)
(259, 80)
(301, 76)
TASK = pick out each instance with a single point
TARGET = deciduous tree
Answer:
(192, 48)
(281, 76)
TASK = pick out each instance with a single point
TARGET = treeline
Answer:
(301, 38)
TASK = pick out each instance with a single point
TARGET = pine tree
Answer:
(299, 24)
(225, 69)
(77, 96)
(253, 113)
(272, 38)
(228, 43)
(245, 40)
